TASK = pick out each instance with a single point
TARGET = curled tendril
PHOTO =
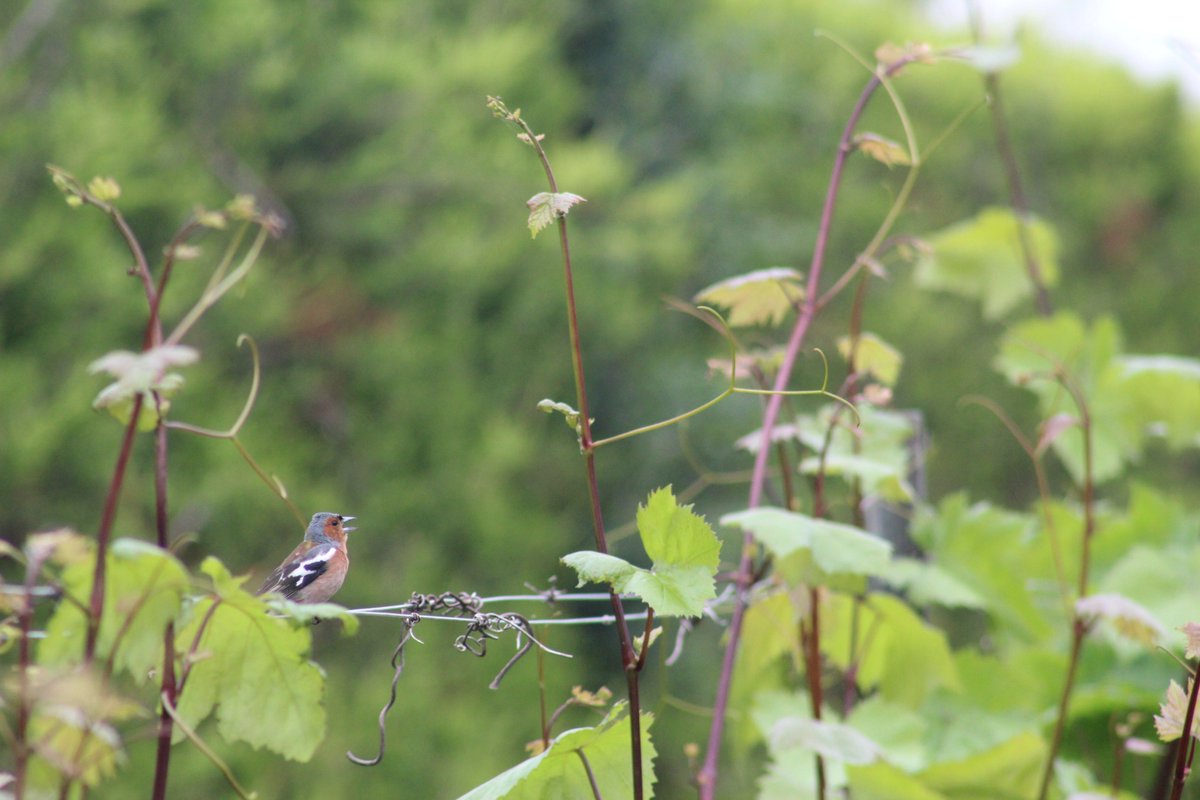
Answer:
(397, 669)
(462, 603)
(484, 627)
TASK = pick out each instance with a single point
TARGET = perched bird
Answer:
(316, 568)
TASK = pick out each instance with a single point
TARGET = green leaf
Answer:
(928, 584)
(74, 745)
(885, 782)
(675, 535)
(545, 207)
(769, 631)
(762, 297)
(829, 739)
(144, 588)
(253, 668)
(873, 355)
(600, 568)
(897, 731)
(558, 772)
(981, 259)
(685, 554)
(1012, 769)
(308, 613)
(835, 547)
(883, 150)
(895, 650)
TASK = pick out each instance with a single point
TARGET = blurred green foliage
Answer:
(409, 325)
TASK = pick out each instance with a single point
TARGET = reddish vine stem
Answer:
(629, 659)
(1187, 745)
(96, 605)
(166, 722)
(1079, 626)
(1012, 176)
(707, 778)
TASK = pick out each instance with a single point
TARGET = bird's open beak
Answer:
(347, 519)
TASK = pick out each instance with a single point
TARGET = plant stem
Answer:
(96, 607)
(1186, 744)
(167, 686)
(1079, 626)
(707, 778)
(628, 655)
(1012, 176)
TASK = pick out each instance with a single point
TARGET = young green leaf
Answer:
(545, 207)
(684, 551)
(143, 592)
(872, 354)
(253, 669)
(928, 584)
(1169, 724)
(981, 259)
(829, 739)
(835, 547)
(883, 150)
(1130, 619)
(559, 771)
(762, 297)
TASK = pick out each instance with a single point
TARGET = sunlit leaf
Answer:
(1127, 617)
(252, 668)
(559, 772)
(144, 588)
(763, 297)
(981, 259)
(829, 739)
(873, 355)
(1012, 769)
(928, 584)
(684, 551)
(1169, 723)
(883, 150)
(835, 547)
(895, 650)
(1192, 632)
(545, 207)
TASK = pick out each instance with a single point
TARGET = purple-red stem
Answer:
(96, 606)
(1183, 758)
(629, 659)
(707, 777)
(1079, 626)
(166, 722)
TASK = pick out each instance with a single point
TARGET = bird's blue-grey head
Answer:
(325, 524)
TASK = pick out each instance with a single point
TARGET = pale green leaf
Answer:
(675, 535)
(981, 258)
(882, 149)
(558, 771)
(896, 651)
(872, 354)
(763, 297)
(835, 547)
(1012, 769)
(546, 207)
(886, 782)
(144, 588)
(1129, 619)
(928, 584)
(829, 739)
(600, 568)
(898, 731)
(674, 591)
(253, 668)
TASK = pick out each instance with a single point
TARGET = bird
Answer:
(317, 567)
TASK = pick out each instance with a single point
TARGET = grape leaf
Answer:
(545, 207)
(558, 771)
(683, 548)
(762, 297)
(980, 258)
(252, 667)
(835, 547)
(872, 354)
(144, 588)
(829, 739)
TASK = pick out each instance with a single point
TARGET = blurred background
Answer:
(409, 325)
